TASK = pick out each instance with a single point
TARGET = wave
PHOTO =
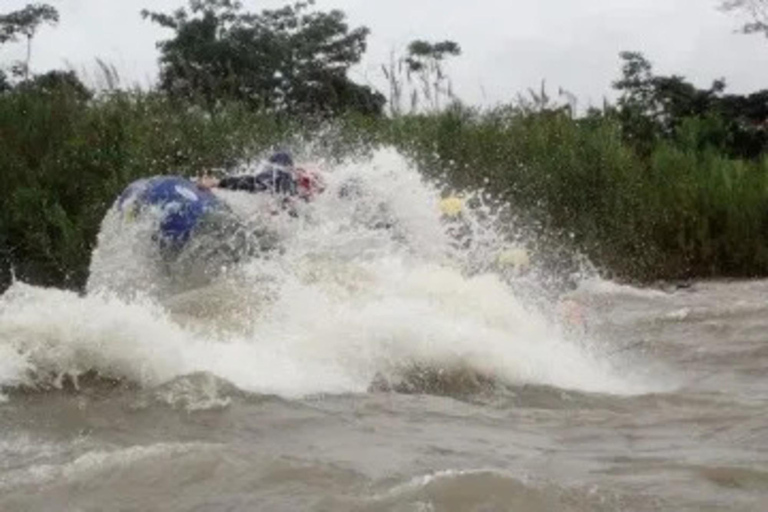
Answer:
(343, 304)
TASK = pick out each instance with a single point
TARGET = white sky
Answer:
(508, 45)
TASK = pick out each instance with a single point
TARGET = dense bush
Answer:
(684, 208)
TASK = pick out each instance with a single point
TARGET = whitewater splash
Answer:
(343, 303)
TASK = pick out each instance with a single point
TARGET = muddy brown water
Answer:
(198, 443)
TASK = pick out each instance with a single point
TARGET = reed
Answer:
(683, 209)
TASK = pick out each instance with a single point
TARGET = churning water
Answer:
(377, 355)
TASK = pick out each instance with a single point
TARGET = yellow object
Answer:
(451, 206)
(516, 257)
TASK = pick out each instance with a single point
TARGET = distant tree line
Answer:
(655, 107)
(295, 60)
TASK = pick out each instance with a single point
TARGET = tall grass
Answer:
(685, 210)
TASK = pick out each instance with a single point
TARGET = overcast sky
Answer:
(508, 45)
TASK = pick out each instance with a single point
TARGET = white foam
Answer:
(48, 333)
(421, 482)
(598, 286)
(342, 303)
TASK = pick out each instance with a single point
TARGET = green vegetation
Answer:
(25, 22)
(65, 160)
(287, 60)
(669, 182)
(680, 211)
(757, 10)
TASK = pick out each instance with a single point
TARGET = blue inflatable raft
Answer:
(180, 205)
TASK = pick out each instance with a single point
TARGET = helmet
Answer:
(282, 158)
(451, 206)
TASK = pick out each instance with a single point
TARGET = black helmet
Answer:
(282, 158)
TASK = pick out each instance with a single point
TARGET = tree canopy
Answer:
(655, 106)
(25, 22)
(757, 10)
(293, 59)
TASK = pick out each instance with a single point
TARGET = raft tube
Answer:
(180, 204)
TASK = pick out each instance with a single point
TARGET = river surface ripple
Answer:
(198, 443)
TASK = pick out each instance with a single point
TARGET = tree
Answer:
(757, 10)
(25, 22)
(56, 82)
(5, 85)
(291, 59)
(652, 107)
(423, 62)
(426, 61)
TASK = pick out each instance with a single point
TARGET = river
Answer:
(383, 380)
